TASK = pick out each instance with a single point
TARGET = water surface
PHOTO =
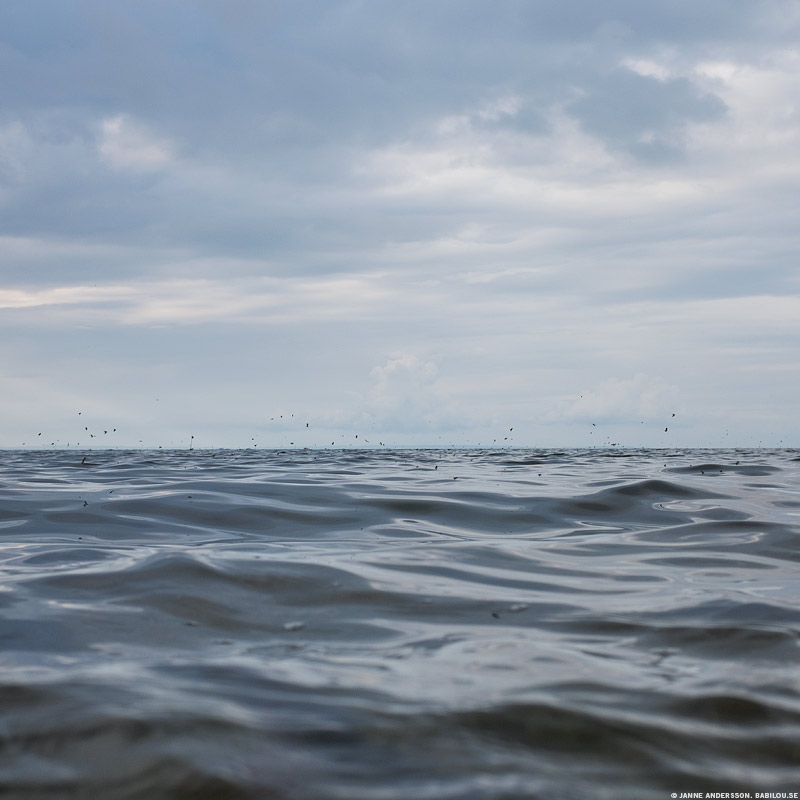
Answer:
(397, 624)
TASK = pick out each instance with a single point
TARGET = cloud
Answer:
(125, 144)
(63, 295)
(645, 116)
(406, 397)
(404, 392)
(624, 400)
(501, 205)
(197, 301)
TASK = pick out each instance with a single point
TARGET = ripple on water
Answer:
(333, 624)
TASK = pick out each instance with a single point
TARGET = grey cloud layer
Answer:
(401, 211)
(291, 95)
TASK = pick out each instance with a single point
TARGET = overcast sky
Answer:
(423, 222)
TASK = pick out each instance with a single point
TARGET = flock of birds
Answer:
(100, 433)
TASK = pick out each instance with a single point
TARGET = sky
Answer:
(276, 223)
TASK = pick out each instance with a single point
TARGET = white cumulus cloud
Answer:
(627, 400)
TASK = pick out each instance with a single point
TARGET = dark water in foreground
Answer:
(393, 625)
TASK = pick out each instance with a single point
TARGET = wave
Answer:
(443, 624)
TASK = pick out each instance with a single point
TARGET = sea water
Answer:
(399, 624)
